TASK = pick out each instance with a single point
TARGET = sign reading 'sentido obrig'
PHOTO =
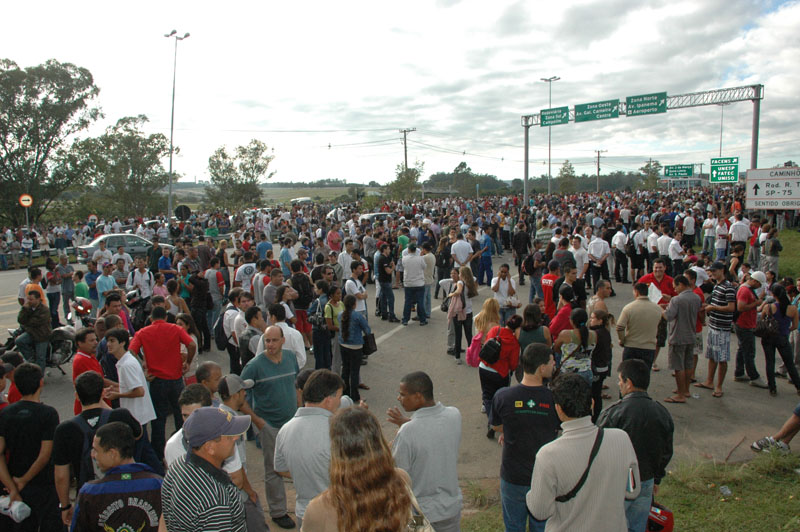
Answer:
(773, 188)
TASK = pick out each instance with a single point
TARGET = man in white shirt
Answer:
(652, 247)
(102, 255)
(709, 234)
(141, 278)
(662, 244)
(618, 242)
(229, 315)
(599, 251)
(461, 251)
(688, 229)
(676, 254)
(581, 256)
(414, 285)
(121, 254)
(293, 340)
(355, 288)
(504, 287)
(739, 231)
(345, 259)
(134, 392)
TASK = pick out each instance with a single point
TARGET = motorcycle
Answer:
(138, 307)
(61, 344)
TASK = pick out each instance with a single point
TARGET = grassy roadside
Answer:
(789, 263)
(765, 497)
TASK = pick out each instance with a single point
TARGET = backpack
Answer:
(528, 265)
(220, 338)
(88, 467)
(490, 352)
(630, 246)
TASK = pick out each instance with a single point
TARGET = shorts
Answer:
(302, 323)
(797, 410)
(681, 357)
(698, 343)
(661, 335)
(637, 262)
(719, 345)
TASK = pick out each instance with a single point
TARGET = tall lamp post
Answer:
(549, 82)
(173, 33)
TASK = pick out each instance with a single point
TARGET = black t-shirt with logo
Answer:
(25, 425)
(383, 263)
(529, 420)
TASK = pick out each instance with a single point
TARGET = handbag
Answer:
(445, 305)
(370, 345)
(595, 448)
(418, 521)
(766, 326)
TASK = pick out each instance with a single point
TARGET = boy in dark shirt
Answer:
(26, 442)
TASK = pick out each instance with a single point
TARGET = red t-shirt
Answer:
(161, 343)
(747, 319)
(561, 321)
(81, 364)
(666, 285)
(548, 280)
(13, 394)
(702, 296)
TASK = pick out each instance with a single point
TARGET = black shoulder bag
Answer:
(595, 448)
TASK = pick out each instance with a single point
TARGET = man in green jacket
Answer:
(34, 317)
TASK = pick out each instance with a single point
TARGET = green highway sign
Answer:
(585, 112)
(554, 117)
(679, 170)
(646, 104)
(724, 170)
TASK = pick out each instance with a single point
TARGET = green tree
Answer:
(40, 108)
(406, 182)
(126, 167)
(235, 178)
(650, 175)
(567, 181)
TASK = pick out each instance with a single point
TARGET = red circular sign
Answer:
(26, 200)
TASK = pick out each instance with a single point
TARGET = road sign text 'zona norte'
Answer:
(646, 104)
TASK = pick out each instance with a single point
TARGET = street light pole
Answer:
(549, 82)
(173, 33)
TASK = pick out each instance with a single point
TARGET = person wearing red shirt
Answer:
(548, 280)
(86, 340)
(498, 375)
(663, 282)
(161, 343)
(746, 303)
(561, 322)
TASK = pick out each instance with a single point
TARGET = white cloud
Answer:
(460, 72)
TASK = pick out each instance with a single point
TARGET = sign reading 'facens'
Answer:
(646, 104)
(724, 170)
(584, 112)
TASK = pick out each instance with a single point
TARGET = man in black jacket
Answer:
(649, 426)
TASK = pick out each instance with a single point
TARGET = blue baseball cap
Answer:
(210, 422)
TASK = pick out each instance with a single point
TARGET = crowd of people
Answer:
(274, 288)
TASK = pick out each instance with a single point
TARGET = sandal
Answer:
(673, 400)
(703, 385)
(716, 394)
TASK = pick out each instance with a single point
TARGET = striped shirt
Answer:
(722, 294)
(196, 496)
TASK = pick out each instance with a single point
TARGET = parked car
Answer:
(134, 245)
(376, 217)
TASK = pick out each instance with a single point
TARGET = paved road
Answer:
(704, 427)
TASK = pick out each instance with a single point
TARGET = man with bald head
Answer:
(274, 400)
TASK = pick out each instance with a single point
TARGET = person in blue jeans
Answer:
(523, 431)
(485, 268)
(650, 428)
(351, 342)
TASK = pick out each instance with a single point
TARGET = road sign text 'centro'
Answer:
(585, 112)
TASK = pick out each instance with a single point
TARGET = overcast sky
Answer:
(301, 76)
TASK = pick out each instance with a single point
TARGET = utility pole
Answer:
(598, 167)
(405, 133)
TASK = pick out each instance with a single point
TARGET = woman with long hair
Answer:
(285, 295)
(187, 323)
(600, 321)
(532, 331)
(486, 319)
(498, 375)
(573, 347)
(367, 493)
(175, 303)
(462, 291)
(351, 343)
(786, 315)
(320, 335)
(566, 303)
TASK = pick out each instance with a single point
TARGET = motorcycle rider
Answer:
(34, 318)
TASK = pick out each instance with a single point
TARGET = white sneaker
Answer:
(483, 409)
(759, 383)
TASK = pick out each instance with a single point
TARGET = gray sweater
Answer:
(600, 504)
